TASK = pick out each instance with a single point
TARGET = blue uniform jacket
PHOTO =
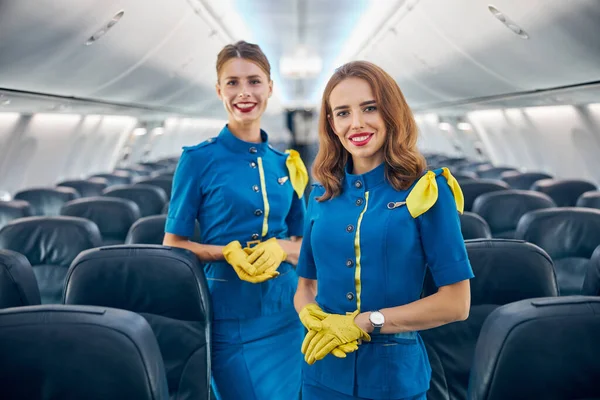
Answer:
(368, 252)
(238, 191)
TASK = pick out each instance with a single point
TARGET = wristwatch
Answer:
(377, 320)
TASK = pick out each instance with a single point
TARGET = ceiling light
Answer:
(444, 126)
(303, 63)
(139, 131)
(464, 126)
(500, 16)
(158, 131)
(102, 31)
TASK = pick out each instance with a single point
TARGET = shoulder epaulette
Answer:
(200, 145)
(424, 193)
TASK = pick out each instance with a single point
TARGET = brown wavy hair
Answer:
(248, 51)
(403, 161)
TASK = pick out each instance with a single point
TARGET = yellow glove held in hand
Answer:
(238, 259)
(266, 256)
(311, 316)
(335, 330)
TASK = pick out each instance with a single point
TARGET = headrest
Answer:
(165, 209)
(502, 210)
(50, 240)
(509, 270)
(116, 178)
(141, 278)
(151, 230)
(589, 199)
(488, 172)
(112, 215)
(79, 352)
(523, 180)
(473, 226)
(564, 192)
(473, 189)
(562, 232)
(47, 201)
(18, 286)
(14, 209)
(135, 170)
(539, 349)
(165, 183)
(150, 199)
(591, 283)
(86, 188)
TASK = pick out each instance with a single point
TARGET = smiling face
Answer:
(357, 122)
(244, 89)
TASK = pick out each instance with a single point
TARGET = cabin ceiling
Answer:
(159, 58)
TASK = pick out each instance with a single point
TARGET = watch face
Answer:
(377, 318)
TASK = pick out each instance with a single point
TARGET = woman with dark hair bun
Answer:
(375, 223)
(247, 199)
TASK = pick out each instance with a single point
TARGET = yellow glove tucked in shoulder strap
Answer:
(425, 193)
(298, 172)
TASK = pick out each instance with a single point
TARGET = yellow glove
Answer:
(266, 256)
(311, 316)
(238, 259)
(334, 331)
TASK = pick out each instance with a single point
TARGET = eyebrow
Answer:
(364, 103)
(249, 77)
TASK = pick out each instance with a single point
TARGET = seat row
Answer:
(521, 340)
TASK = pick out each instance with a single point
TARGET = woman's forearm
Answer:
(449, 304)
(305, 293)
(291, 248)
(204, 252)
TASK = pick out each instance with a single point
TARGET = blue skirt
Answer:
(258, 358)
(312, 390)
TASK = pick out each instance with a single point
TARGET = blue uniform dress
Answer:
(242, 191)
(368, 252)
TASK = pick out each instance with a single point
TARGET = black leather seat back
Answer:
(474, 227)
(471, 190)
(113, 216)
(18, 286)
(523, 180)
(151, 230)
(589, 199)
(505, 271)
(591, 282)
(50, 244)
(150, 199)
(47, 201)
(86, 188)
(569, 235)
(564, 192)
(165, 285)
(115, 178)
(72, 353)
(163, 182)
(14, 209)
(503, 210)
(487, 172)
(545, 348)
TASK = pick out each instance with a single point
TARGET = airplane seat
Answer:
(151, 230)
(166, 286)
(47, 201)
(544, 348)
(589, 199)
(505, 271)
(78, 352)
(165, 209)
(113, 216)
(490, 172)
(163, 182)
(472, 166)
(474, 227)
(18, 286)
(564, 192)
(569, 235)
(50, 245)
(13, 209)
(150, 199)
(473, 189)
(523, 180)
(463, 177)
(591, 282)
(86, 188)
(502, 210)
(115, 178)
(135, 170)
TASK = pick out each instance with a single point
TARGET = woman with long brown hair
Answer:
(247, 198)
(375, 222)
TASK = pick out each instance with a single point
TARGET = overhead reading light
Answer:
(500, 16)
(301, 64)
(102, 31)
